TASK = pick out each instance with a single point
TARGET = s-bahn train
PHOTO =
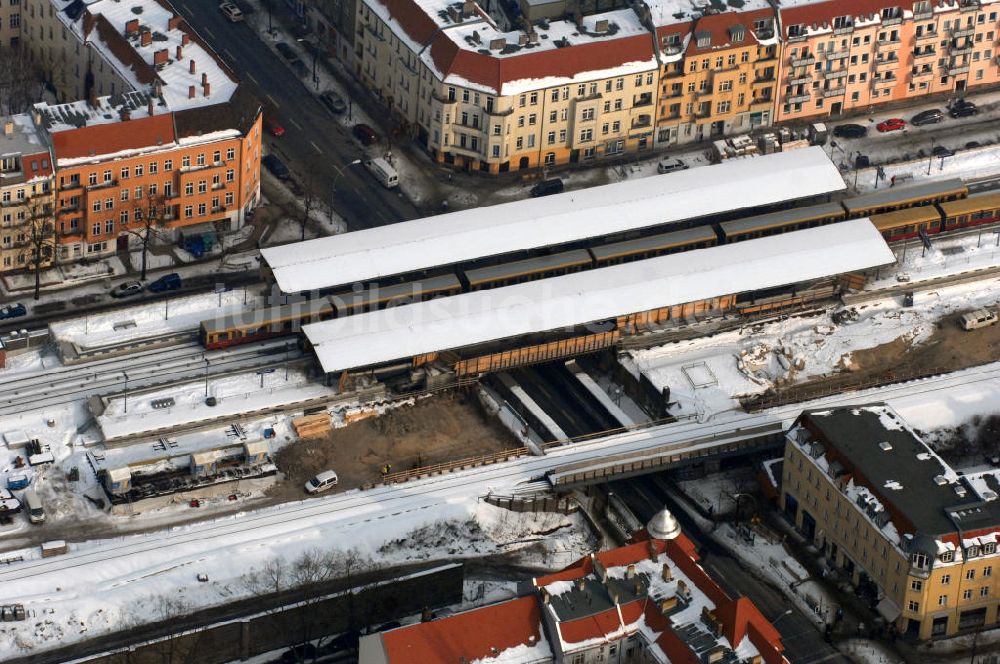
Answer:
(898, 213)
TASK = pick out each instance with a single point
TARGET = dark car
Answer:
(286, 51)
(127, 289)
(973, 144)
(15, 310)
(345, 641)
(276, 166)
(365, 134)
(862, 161)
(167, 282)
(546, 187)
(963, 110)
(333, 101)
(930, 116)
(305, 652)
(850, 131)
(942, 151)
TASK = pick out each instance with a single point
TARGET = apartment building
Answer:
(718, 75)
(26, 197)
(846, 57)
(10, 23)
(890, 513)
(649, 602)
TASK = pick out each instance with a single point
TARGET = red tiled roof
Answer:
(412, 18)
(31, 164)
(718, 26)
(824, 12)
(493, 71)
(607, 624)
(114, 137)
(470, 635)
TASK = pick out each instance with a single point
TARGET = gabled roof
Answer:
(468, 636)
(114, 137)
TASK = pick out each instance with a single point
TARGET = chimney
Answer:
(546, 596)
(613, 594)
(191, 92)
(185, 40)
(8, 128)
(206, 89)
(38, 118)
(149, 107)
(682, 588)
(161, 57)
(426, 615)
(174, 22)
(630, 571)
(667, 574)
(92, 99)
(204, 78)
(131, 27)
(468, 8)
(192, 67)
(653, 553)
(580, 583)
(125, 114)
(180, 53)
(146, 38)
(157, 88)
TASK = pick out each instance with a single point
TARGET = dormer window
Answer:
(989, 548)
(798, 30)
(703, 39)
(919, 560)
(972, 552)
(737, 33)
(948, 556)
(892, 12)
(842, 22)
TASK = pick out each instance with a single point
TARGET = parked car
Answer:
(273, 127)
(670, 165)
(276, 166)
(850, 131)
(167, 282)
(231, 12)
(942, 151)
(963, 109)
(892, 124)
(15, 310)
(333, 101)
(33, 504)
(862, 161)
(323, 481)
(972, 144)
(547, 187)
(978, 318)
(930, 116)
(365, 134)
(126, 289)
(286, 51)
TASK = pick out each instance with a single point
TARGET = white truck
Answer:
(383, 172)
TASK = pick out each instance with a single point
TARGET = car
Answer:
(15, 310)
(365, 134)
(850, 131)
(127, 289)
(273, 127)
(977, 319)
(963, 110)
(942, 151)
(304, 652)
(670, 165)
(930, 116)
(286, 51)
(972, 145)
(333, 101)
(323, 481)
(892, 124)
(547, 187)
(167, 282)
(231, 12)
(276, 166)
(862, 161)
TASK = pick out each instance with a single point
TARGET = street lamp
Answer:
(315, 54)
(126, 391)
(206, 377)
(930, 157)
(787, 612)
(333, 187)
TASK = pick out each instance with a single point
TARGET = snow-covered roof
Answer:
(594, 295)
(468, 235)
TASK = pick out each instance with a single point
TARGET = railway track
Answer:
(62, 385)
(574, 409)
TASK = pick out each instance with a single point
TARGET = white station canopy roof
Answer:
(467, 235)
(595, 295)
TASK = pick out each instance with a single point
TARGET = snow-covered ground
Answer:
(966, 163)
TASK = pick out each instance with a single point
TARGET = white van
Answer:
(383, 172)
(325, 480)
(33, 504)
(978, 318)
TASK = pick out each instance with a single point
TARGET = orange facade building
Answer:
(845, 56)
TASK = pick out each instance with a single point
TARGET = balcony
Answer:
(969, 6)
(644, 100)
(924, 54)
(799, 99)
(923, 16)
(922, 73)
(835, 92)
(960, 50)
(75, 184)
(799, 80)
(218, 186)
(884, 65)
(496, 113)
(834, 75)
(767, 77)
(957, 71)
(437, 96)
(958, 33)
(837, 55)
(843, 30)
(796, 38)
(893, 20)
(927, 35)
(804, 61)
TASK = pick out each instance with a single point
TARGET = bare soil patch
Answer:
(434, 430)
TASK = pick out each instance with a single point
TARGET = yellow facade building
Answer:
(894, 517)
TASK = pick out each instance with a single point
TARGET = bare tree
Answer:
(20, 80)
(150, 214)
(36, 238)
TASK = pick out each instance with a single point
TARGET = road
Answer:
(316, 147)
(804, 644)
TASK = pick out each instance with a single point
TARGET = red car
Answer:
(274, 128)
(892, 124)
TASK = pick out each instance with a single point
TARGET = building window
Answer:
(916, 585)
(201, 209)
(942, 600)
(230, 154)
(586, 135)
(96, 229)
(123, 217)
(230, 175)
(947, 556)
(189, 189)
(967, 594)
(107, 176)
(201, 159)
(125, 172)
(587, 114)
(987, 571)
(186, 162)
(550, 158)
(168, 165)
(970, 574)
(912, 606)
(984, 591)
(202, 186)
(229, 197)
(188, 211)
(945, 579)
